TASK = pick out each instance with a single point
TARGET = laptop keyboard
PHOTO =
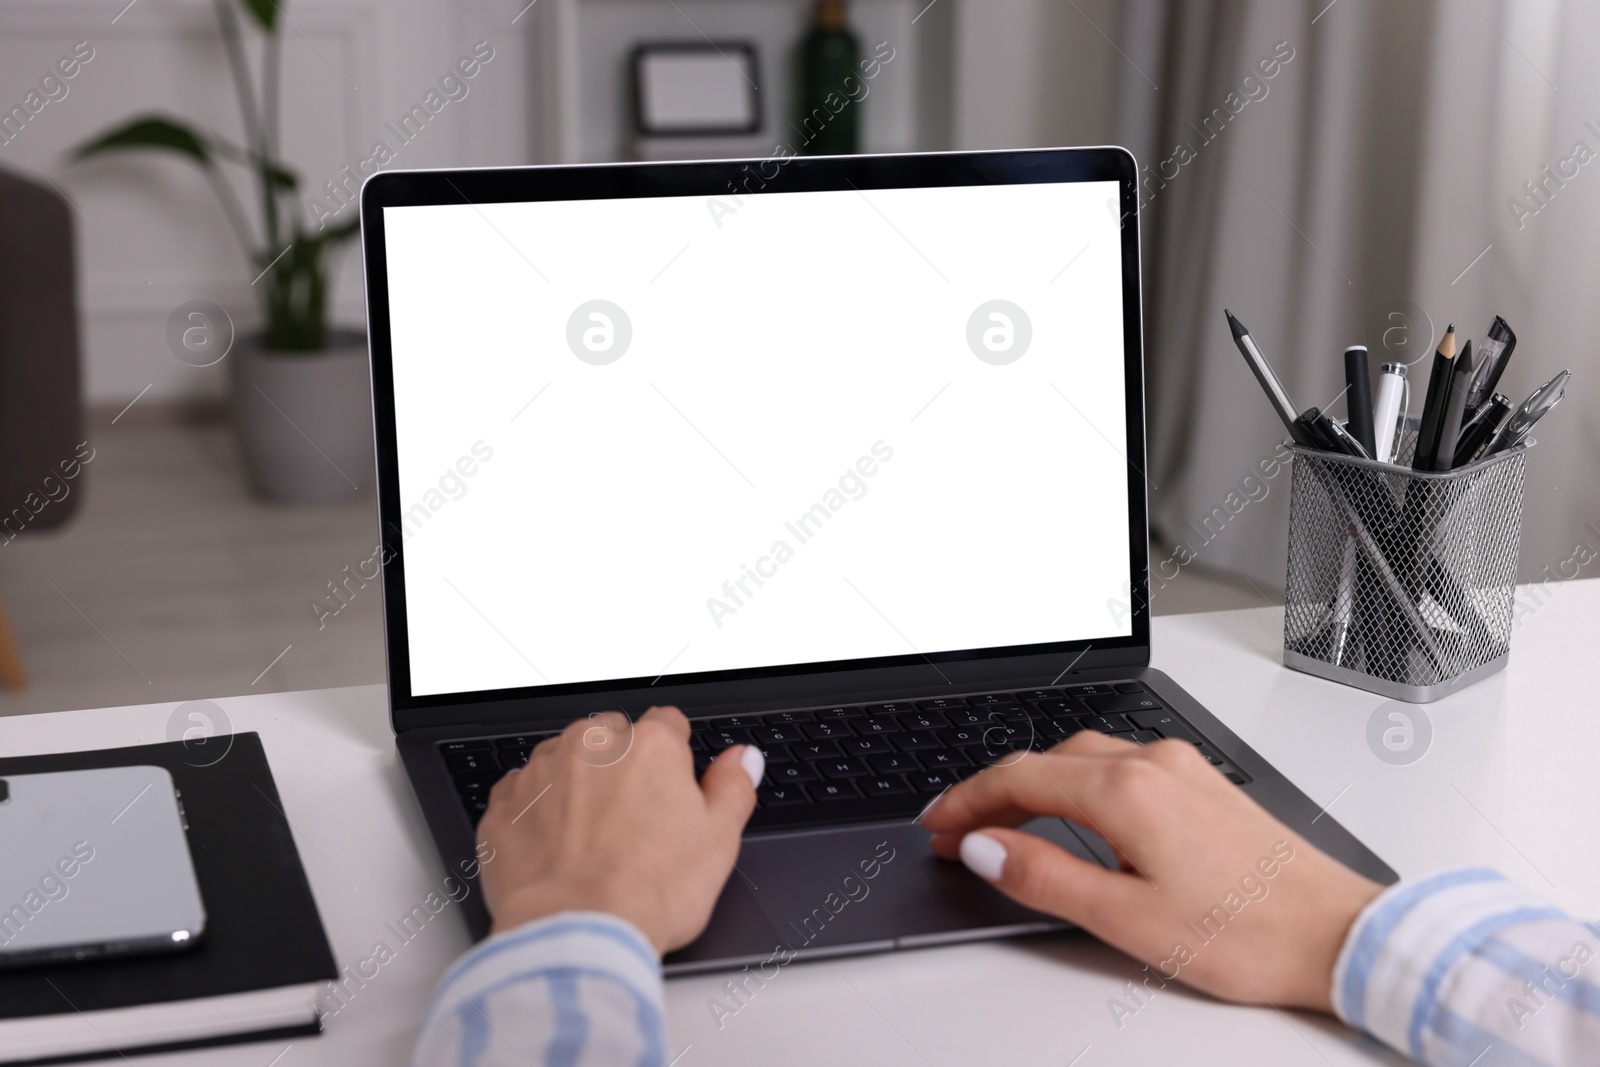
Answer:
(877, 761)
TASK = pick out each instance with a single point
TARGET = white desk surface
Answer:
(1510, 780)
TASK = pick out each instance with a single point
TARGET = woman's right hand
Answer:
(1213, 891)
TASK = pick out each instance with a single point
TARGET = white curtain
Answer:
(1368, 177)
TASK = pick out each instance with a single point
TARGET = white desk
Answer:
(1510, 780)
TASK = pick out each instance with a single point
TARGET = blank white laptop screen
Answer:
(650, 437)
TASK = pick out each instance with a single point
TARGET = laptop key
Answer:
(1059, 729)
(776, 753)
(1064, 706)
(885, 725)
(815, 750)
(967, 717)
(864, 746)
(948, 758)
(776, 735)
(1123, 702)
(992, 698)
(474, 784)
(786, 717)
(839, 713)
(778, 796)
(523, 740)
(1144, 737)
(791, 772)
(463, 746)
(890, 709)
(1128, 687)
(1039, 694)
(941, 704)
(1235, 777)
(1007, 713)
(957, 736)
(735, 722)
(923, 720)
(932, 781)
(886, 786)
(717, 740)
(1165, 723)
(1106, 724)
(462, 762)
(511, 758)
(827, 728)
(894, 763)
(917, 741)
(842, 767)
(833, 791)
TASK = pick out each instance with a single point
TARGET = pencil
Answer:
(1422, 458)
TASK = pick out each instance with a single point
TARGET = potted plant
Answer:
(301, 396)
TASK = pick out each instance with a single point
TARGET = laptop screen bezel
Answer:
(753, 177)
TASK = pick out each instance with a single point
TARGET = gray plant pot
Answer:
(304, 419)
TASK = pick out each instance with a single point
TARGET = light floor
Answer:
(173, 583)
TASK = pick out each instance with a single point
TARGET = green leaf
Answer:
(278, 176)
(265, 12)
(281, 178)
(345, 230)
(149, 131)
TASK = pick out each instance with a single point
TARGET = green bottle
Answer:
(829, 115)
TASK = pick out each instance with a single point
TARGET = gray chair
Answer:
(41, 400)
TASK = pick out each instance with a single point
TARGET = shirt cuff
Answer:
(1402, 948)
(571, 966)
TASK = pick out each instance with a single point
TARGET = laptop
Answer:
(842, 456)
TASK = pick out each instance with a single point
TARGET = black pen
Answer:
(1345, 439)
(1493, 355)
(1433, 407)
(1358, 398)
(1455, 409)
(1484, 424)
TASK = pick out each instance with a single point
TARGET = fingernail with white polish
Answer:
(984, 856)
(754, 764)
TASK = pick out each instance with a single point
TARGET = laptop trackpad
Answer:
(873, 886)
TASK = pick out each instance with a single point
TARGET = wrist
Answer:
(541, 900)
(1342, 907)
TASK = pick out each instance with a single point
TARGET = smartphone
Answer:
(95, 863)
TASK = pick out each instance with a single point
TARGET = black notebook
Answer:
(254, 975)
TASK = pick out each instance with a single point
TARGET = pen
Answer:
(1344, 438)
(1433, 406)
(1532, 410)
(1455, 409)
(1389, 413)
(1358, 398)
(1269, 381)
(1310, 430)
(1483, 426)
(1493, 355)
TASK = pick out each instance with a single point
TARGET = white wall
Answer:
(149, 233)
(977, 73)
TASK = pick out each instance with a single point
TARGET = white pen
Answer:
(1390, 409)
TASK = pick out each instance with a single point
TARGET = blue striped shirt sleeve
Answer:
(580, 989)
(1465, 968)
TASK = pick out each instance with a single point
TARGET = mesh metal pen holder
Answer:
(1401, 583)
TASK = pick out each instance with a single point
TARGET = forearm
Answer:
(1442, 968)
(575, 987)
